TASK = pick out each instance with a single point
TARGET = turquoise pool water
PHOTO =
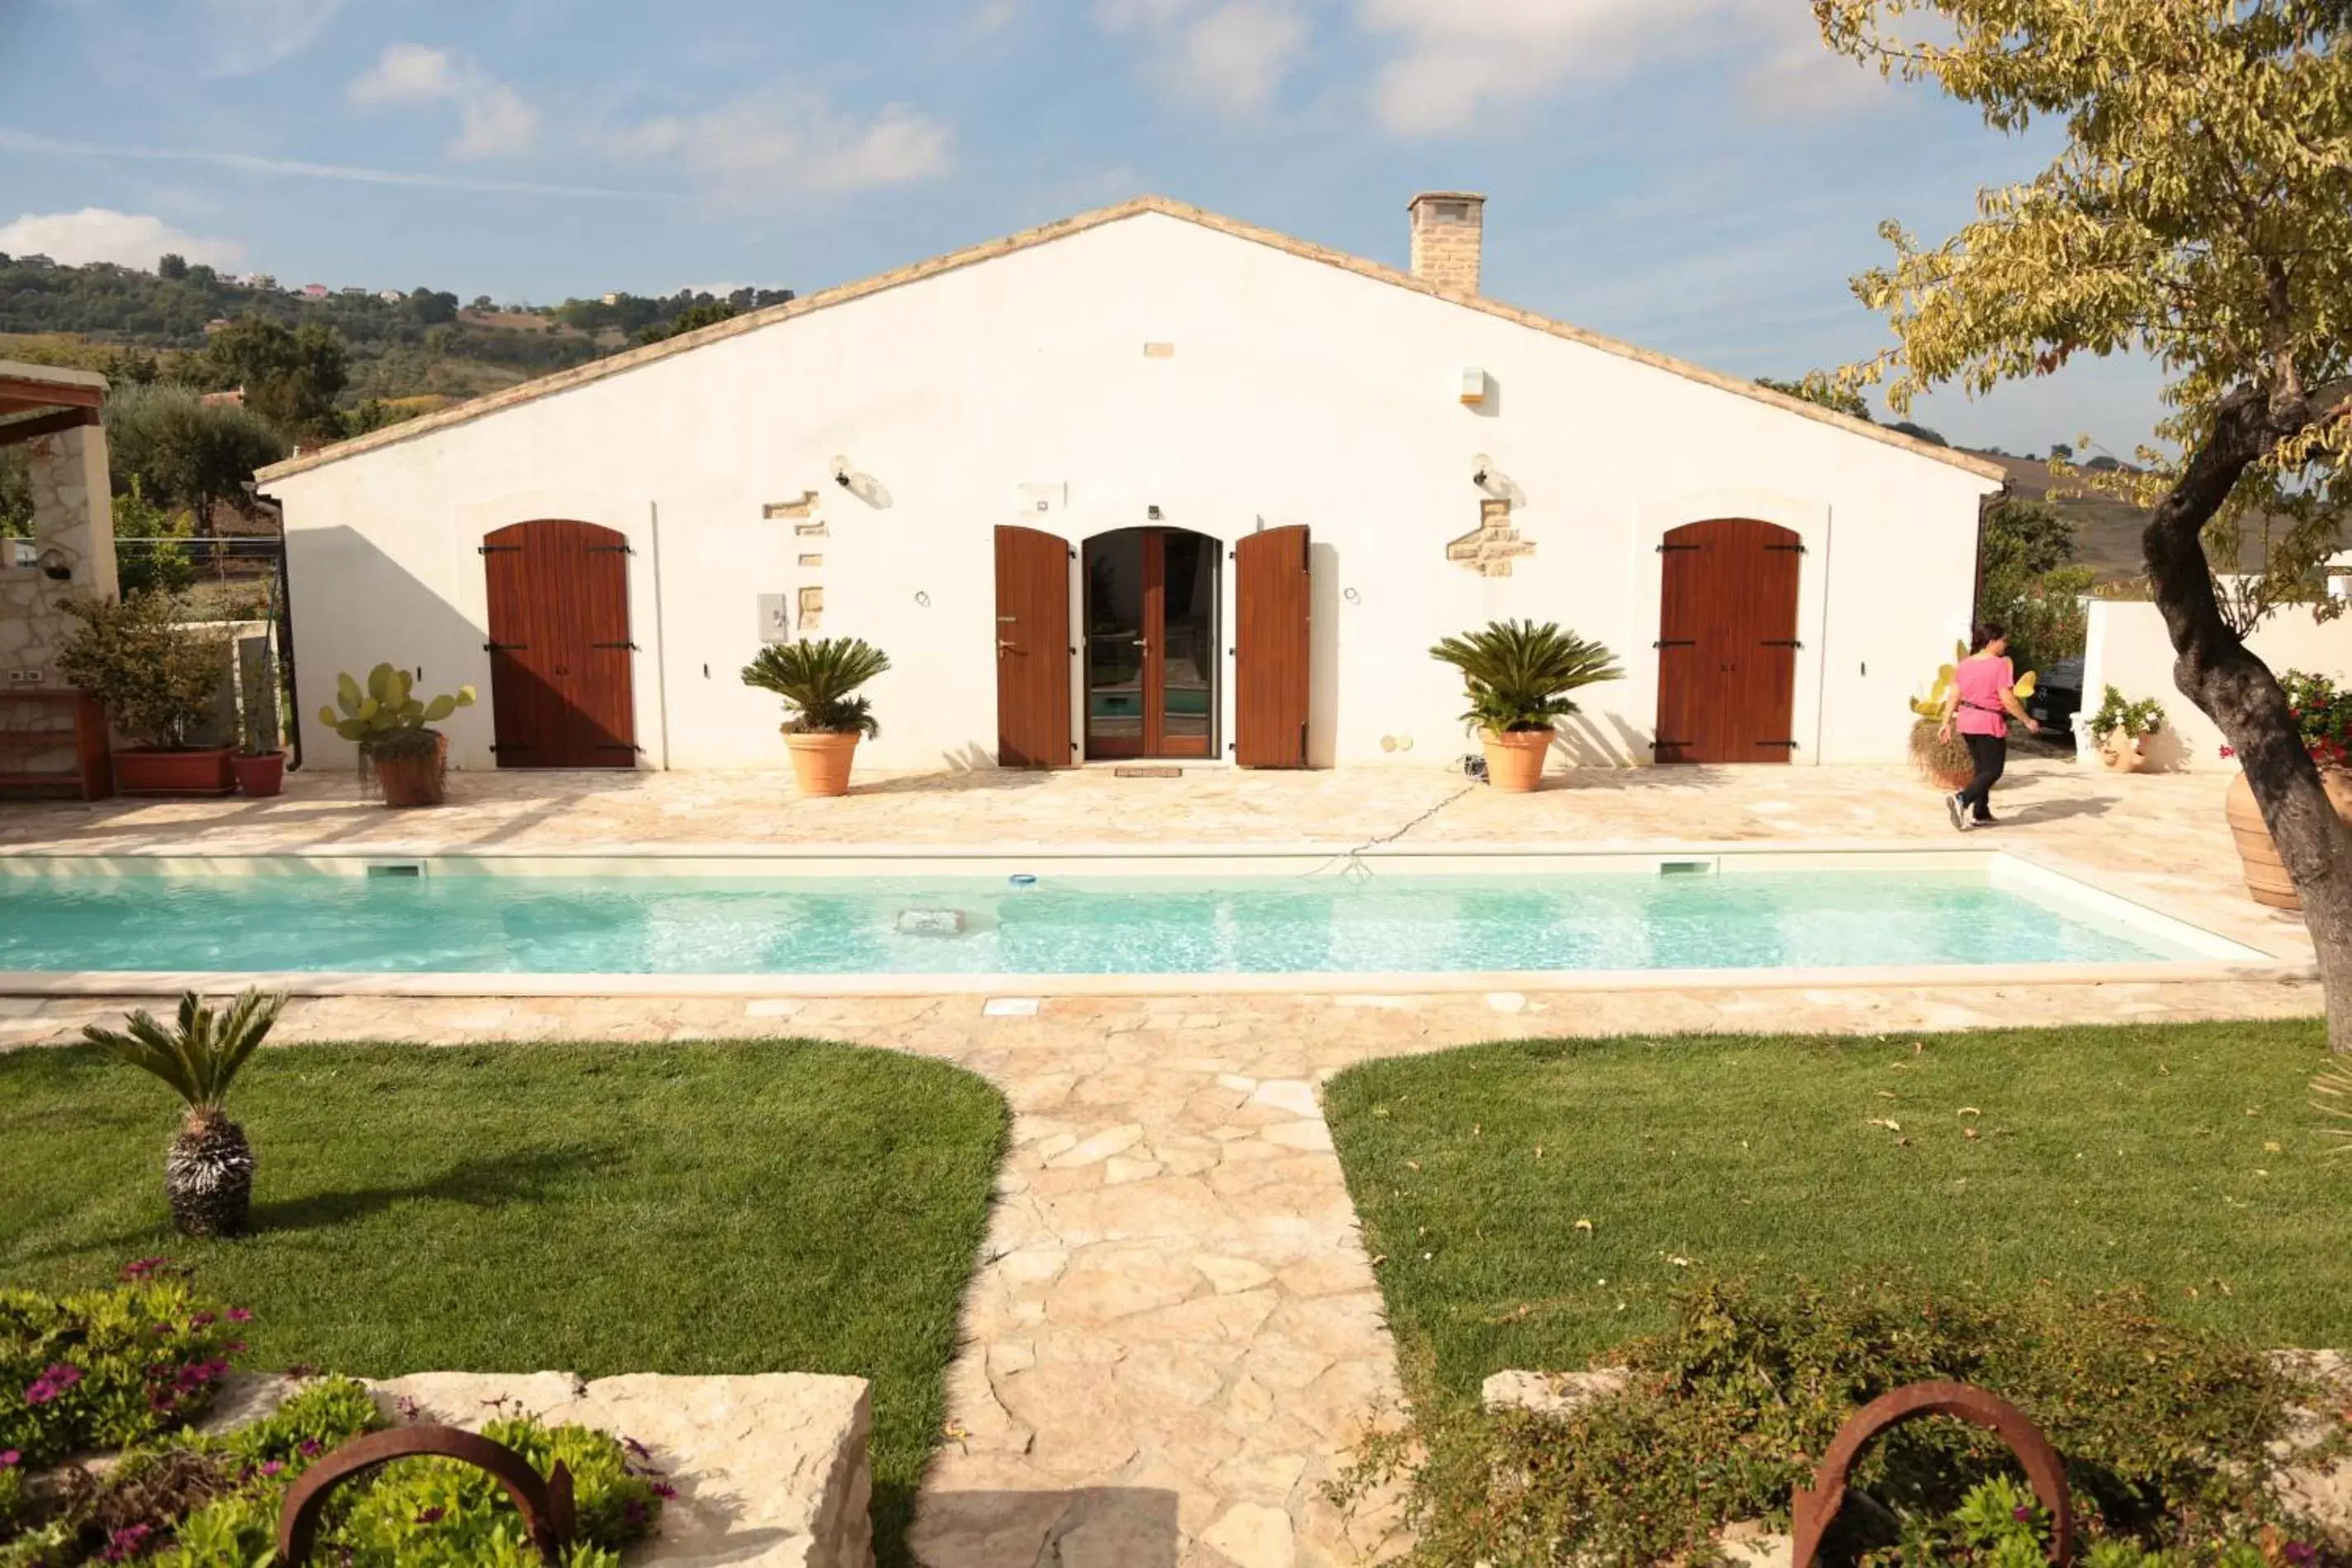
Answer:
(1392, 922)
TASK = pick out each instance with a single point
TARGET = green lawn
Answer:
(599, 1209)
(2186, 1160)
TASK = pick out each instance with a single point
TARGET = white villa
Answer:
(1145, 483)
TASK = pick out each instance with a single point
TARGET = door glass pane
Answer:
(1190, 636)
(1113, 566)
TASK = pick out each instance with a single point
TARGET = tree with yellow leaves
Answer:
(2200, 214)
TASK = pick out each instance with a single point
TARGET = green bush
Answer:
(106, 1368)
(157, 677)
(2164, 1431)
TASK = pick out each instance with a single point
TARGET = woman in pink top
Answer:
(1981, 705)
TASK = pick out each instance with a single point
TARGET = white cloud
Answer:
(492, 118)
(794, 139)
(1459, 56)
(251, 35)
(1231, 56)
(101, 233)
(995, 16)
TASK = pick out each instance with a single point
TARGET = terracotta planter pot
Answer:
(260, 776)
(417, 778)
(206, 771)
(1515, 759)
(2121, 752)
(821, 763)
(2267, 881)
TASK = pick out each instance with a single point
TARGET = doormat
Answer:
(1147, 773)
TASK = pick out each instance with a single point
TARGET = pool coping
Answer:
(2252, 963)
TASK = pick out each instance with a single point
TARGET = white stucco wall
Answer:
(2126, 646)
(1297, 393)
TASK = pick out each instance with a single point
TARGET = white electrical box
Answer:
(775, 617)
(1474, 386)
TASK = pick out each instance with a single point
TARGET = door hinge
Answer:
(1790, 744)
(503, 646)
(619, 746)
(1675, 642)
(1666, 745)
(511, 746)
(495, 549)
(1073, 555)
(630, 646)
(1782, 642)
(1796, 548)
(606, 550)
(1663, 548)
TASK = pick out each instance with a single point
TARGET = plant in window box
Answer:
(395, 734)
(1517, 676)
(2120, 727)
(2323, 715)
(818, 681)
(159, 681)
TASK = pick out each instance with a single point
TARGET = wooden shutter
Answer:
(1272, 597)
(561, 672)
(1033, 649)
(1728, 642)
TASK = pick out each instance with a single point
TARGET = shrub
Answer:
(106, 1368)
(1517, 675)
(2137, 720)
(817, 679)
(157, 678)
(2163, 1430)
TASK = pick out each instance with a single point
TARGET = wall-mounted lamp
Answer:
(54, 565)
(1495, 482)
(841, 475)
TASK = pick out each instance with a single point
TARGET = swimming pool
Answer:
(970, 919)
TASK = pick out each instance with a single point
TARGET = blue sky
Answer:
(1697, 176)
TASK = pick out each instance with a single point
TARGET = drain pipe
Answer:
(661, 636)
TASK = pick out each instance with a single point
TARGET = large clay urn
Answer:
(2267, 881)
(1515, 758)
(2122, 752)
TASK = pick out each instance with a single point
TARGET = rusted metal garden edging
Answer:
(1812, 1508)
(545, 1504)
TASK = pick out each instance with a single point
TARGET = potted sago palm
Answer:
(1517, 676)
(818, 681)
(395, 734)
(208, 1169)
(159, 681)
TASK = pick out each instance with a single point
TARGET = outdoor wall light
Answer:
(55, 565)
(841, 475)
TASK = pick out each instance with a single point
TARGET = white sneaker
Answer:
(1958, 810)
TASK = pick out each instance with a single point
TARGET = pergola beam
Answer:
(22, 393)
(15, 430)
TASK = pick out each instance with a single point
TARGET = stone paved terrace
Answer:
(1175, 1335)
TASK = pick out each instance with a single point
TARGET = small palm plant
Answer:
(208, 1169)
(1518, 674)
(2334, 1087)
(817, 679)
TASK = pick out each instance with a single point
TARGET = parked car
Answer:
(2057, 697)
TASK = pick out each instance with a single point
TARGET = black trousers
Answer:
(1990, 755)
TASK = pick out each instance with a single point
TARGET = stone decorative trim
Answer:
(1491, 547)
(753, 321)
(803, 507)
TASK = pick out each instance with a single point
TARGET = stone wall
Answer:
(73, 513)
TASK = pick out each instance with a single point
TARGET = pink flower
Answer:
(10, 1458)
(240, 1315)
(202, 1321)
(2228, 751)
(52, 1382)
(272, 1467)
(144, 1268)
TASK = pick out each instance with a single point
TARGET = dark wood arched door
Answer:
(1728, 642)
(561, 663)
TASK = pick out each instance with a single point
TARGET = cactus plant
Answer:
(384, 718)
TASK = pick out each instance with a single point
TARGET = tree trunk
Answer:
(2217, 671)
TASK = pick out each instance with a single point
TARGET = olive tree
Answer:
(2199, 212)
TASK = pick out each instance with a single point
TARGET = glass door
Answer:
(1151, 643)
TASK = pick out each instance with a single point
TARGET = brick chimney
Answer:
(1449, 230)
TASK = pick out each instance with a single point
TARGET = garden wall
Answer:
(2126, 646)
